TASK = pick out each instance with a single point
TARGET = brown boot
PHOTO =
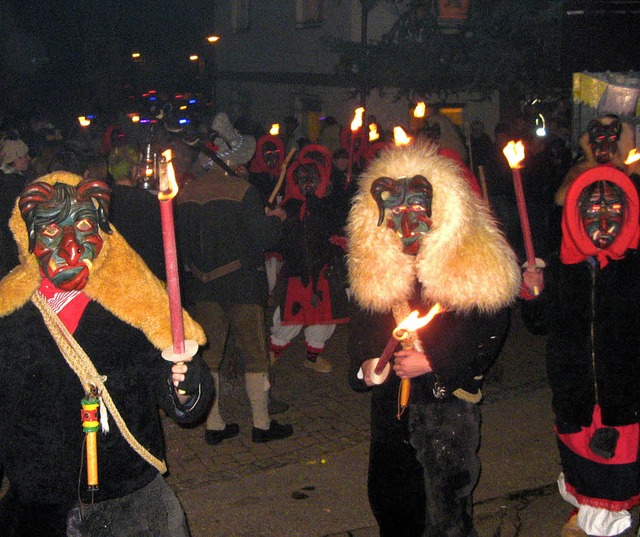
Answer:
(571, 529)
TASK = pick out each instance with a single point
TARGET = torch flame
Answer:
(357, 119)
(413, 322)
(514, 151)
(373, 132)
(400, 137)
(632, 156)
(168, 185)
(419, 110)
(275, 129)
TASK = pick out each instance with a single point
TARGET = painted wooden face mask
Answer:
(604, 139)
(63, 225)
(271, 155)
(602, 211)
(408, 201)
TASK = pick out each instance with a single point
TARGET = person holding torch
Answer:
(419, 236)
(83, 324)
(589, 309)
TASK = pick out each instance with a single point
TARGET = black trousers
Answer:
(423, 468)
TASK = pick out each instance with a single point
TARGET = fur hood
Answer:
(464, 262)
(119, 281)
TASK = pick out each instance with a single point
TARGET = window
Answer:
(240, 15)
(309, 13)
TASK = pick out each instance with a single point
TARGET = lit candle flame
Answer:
(275, 129)
(168, 185)
(400, 137)
(514, 151)
(357, 119)
(420, 110)
(632, 156)
(413, 322)
(373, 132)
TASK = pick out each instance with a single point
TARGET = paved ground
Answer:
(314, 484)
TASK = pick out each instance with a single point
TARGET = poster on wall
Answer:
(598, 94)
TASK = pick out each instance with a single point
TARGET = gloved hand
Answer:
(185, 371)
(191, 382)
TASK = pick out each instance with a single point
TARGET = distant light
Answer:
(192, 101)
(179, 96)
(145, 120)
(184, 121)
(541, 125)
(135, 118)
(90, 116)
(84, 121)
(135, 55)
(153, 98)
(184, 107)
(213, 38)
(152, 91)
(194, 57)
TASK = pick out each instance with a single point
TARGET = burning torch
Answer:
(514, 151)
(168, 189)
(405, 334)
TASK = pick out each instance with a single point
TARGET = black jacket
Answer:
(459, 347)
(223, 233)
(41, 437)
(592, 317)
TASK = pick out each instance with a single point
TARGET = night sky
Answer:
(70, 55)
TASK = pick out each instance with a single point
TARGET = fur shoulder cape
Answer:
(464, 261)
(119, 281)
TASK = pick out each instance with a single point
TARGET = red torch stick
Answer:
(168, 191)
(515, 154)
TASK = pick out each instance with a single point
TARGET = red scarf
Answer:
(68, 305)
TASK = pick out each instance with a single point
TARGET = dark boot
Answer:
(276, 431)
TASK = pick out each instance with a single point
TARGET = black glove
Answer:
(192, 378)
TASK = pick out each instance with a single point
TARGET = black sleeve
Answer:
(368, 335)
(264, 231)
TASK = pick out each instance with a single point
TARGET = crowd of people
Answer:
(279, 235)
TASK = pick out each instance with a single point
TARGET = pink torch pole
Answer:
(168, 191)
(515, 155)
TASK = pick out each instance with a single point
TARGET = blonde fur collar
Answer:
(120, 281)
(464, 262)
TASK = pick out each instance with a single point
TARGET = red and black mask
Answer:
(409, 203)
(307, 177)
(604, 139)
(63, 224)
(602, 209)
(271, 155)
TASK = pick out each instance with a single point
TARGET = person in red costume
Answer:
(589, 308)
